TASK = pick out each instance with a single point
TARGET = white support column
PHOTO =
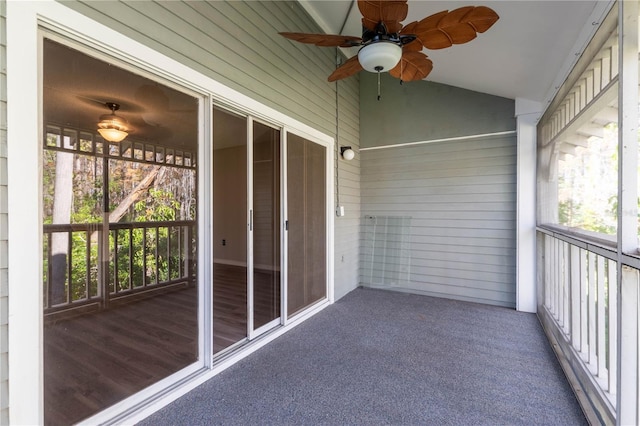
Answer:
(628, 291)
(628, 129)
(25, 278)
(628, 396)
(527, 113)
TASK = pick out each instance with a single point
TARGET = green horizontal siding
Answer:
(237, 44)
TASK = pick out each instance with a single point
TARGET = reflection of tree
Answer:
(565, 209)
(143, 244)
(571, 214)
(587, 179)
(138, 192)
(613, 203)
(129, 182)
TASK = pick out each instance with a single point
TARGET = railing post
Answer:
(103, 261)
(591, 313)
(628, 398)
(49, 271)
(613, 326)
(547, 270)
(187, 271)
(600, 320)
(584, 310)
(574, 279)
(566, 288)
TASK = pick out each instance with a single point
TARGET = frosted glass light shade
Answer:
(113, 135)
(348, 154)
(380, 56)
(113, 128)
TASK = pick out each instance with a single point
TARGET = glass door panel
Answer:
(119, 291)
(266, 225)
(307, 238)
(229, 229)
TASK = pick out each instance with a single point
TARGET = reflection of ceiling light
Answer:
(380, 56)
(111, 127)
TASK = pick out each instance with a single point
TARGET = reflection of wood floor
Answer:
(230, 302)
(95, 360)
(229, 305)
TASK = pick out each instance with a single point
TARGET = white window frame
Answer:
(24, 130)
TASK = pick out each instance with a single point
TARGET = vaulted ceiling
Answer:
(525, 54)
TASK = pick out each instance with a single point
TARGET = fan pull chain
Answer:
(378, 68)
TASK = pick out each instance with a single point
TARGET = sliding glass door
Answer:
(266, 227)
(266, 191)
(247, 228)
(230, 215)
(307, 234)
(120, 235)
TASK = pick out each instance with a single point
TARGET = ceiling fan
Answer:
(388, 46)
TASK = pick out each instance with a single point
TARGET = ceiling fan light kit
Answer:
(389, 46)
(112, 127)
(380, 57)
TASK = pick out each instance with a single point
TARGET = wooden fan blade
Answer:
(349, 68)
(481, 18)
(458, 32)
(429, 34)
(390, 12)
(324, 40)
(458, 26)
(412, 66)
(415, 45)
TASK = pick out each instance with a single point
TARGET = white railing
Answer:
(86, 271)
(578, 296)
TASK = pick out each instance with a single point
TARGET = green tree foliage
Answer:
(587, 179)
(132, 260)
(142, 244)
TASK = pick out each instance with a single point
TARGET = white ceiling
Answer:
(526, 54)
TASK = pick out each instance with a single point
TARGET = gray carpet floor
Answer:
(379, 357)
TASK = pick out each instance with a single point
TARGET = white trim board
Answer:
(455, 138)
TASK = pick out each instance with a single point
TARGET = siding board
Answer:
(237, 43)
(153, 24)
(436, 181)
(461, 198)
(277, 62)
(4, 223)
(471, 171)
(448, 168)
